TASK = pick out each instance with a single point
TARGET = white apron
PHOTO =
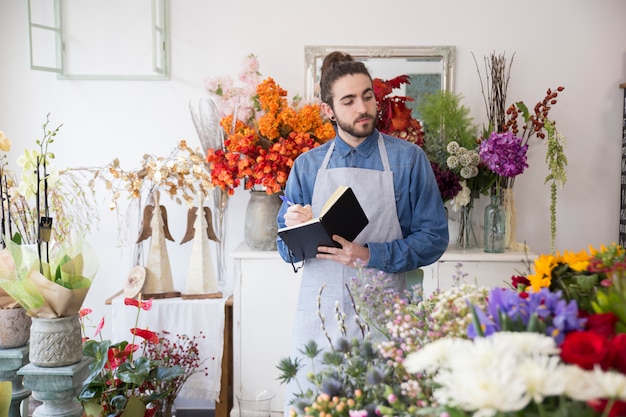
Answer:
(371, 187)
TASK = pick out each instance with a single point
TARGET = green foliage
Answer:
(445, 119)
(557, 163)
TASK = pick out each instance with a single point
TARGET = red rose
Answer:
(602, 323)
(585, 349)
(617, 353)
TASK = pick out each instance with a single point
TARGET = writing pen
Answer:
(286, 200)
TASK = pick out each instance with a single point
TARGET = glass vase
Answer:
(166, 408)
(220, 205)
(495, 225)
(467, 238)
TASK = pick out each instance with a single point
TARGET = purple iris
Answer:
(504, 154)
(544, 311)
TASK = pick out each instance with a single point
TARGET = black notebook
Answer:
(341, 215)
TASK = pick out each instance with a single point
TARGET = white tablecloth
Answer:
(183, 317)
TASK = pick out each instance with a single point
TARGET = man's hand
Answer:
(346, 255)
(297, 214)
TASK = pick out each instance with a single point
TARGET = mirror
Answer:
(429, 67)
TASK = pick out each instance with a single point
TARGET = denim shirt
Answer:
(418, 202)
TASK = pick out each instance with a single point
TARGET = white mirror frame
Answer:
(314, 55)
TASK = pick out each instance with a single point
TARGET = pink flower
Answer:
(84, 311)
(99, 327)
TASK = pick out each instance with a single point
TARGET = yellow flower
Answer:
(544, 265)
(5, 143)
(579, 262)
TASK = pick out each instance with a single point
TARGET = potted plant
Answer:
(140, 377)
(47, 269)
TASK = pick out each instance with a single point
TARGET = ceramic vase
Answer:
(14, 327)
(55, 342)
(260, 224)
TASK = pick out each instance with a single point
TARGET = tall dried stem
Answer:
(497, 76)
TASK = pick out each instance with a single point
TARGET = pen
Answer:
(286, 200)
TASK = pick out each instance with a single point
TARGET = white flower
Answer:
(453, 147)
(452, 162)
(5, 143)
(581, 384)
(435, 354)
(462, 198)
(543, 375)
(612, 384)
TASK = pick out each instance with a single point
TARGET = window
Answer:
(100, 39)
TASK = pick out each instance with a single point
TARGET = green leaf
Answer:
(166, 373)
(520, 105)
(476, 322)
(288, 368)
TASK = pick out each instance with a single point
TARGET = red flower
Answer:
(148, 335)
(602, 323)
(394, 116)
(617, 353)
(520, 282)
(585, 349)
(144, 305)
(117, 357)
(618, 409)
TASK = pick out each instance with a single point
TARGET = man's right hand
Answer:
(297, 214)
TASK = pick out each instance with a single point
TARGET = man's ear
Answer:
(328, 111)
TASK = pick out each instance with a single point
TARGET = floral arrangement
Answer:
(512, 127)
(262, 139)
(451, 143)
(45, 265)
(136, 378)
(530, 349)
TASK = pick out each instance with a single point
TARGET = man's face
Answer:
(355, 107)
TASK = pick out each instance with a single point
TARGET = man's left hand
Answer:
(347, 255)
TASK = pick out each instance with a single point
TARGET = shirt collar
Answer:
(365, 149)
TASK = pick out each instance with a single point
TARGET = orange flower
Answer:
(262, 152)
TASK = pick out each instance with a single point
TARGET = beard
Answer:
(362, 131)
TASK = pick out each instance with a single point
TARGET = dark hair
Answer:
(336, 65)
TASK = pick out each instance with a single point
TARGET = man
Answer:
(393, 181)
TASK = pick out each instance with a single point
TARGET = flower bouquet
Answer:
(516, 124)
(535, 351)
(264, 132)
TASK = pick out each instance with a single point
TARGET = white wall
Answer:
(575, 43)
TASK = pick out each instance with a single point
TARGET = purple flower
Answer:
(543, 311)
(504, 154)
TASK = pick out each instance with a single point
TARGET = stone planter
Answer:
(14, 328)
(55, 342)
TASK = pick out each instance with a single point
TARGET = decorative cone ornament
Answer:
(201, 281)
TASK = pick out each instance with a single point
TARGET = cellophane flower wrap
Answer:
(52, 288)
